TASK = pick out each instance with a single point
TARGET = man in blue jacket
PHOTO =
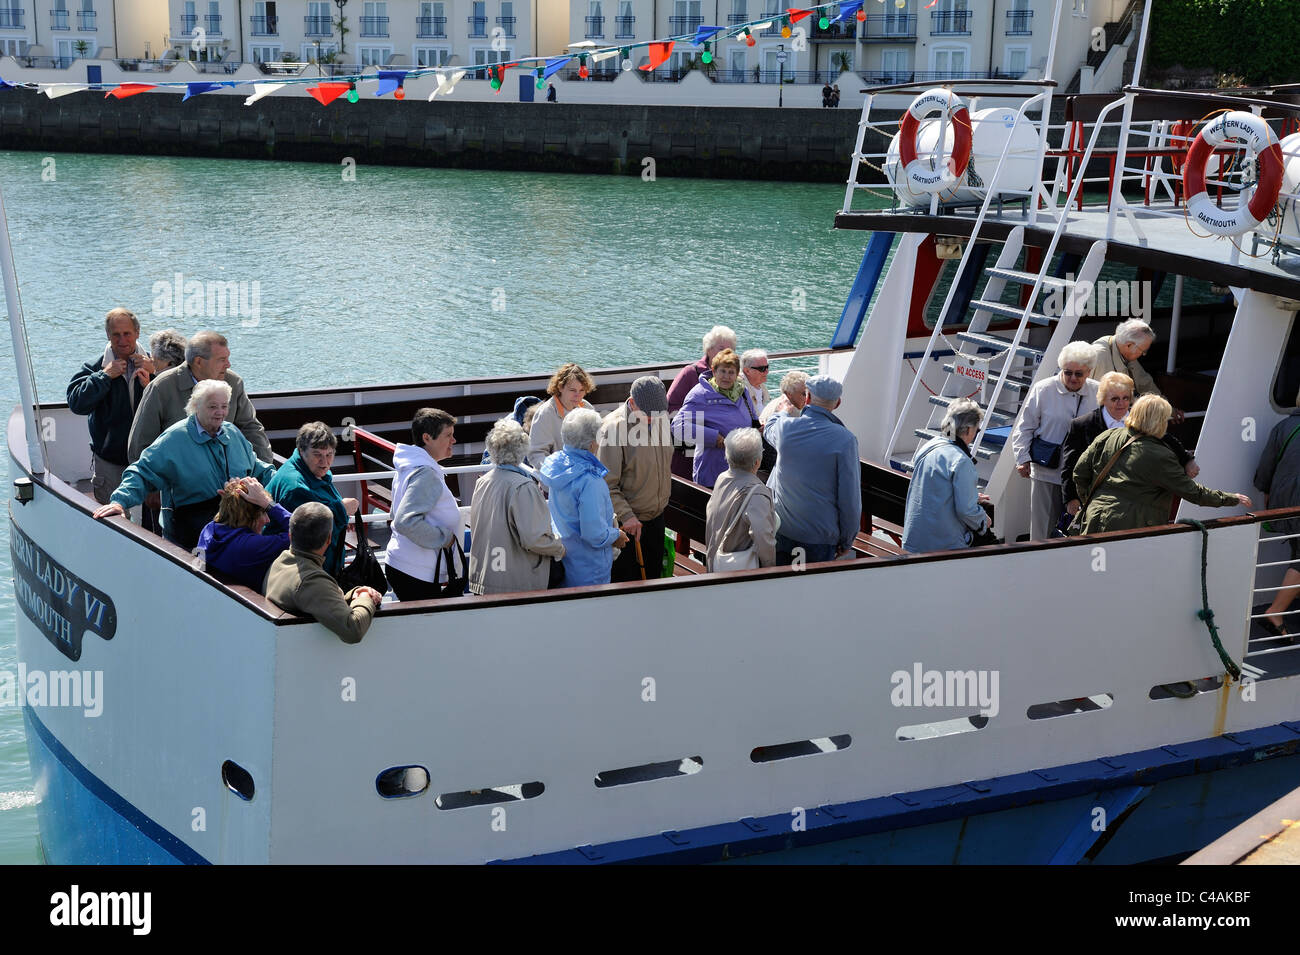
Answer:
(108, 388)
(816, 483)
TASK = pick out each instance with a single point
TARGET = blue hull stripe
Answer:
(87, 817)
(829, 823)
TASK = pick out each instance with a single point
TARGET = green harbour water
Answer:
(400, 275)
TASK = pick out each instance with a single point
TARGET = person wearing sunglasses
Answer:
(1041, 428)
(753, 369)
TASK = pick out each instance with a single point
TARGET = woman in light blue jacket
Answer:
(582, 513)
(943, 501)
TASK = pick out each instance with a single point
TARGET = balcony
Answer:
(775, 28)
(888, 28)
(955, 23)
(11, 18)
(507, 25)
(431, 26)
(188, 22)
(682, 26)
(625, 28)
(891, 77)
(736, 19)
(86, 21)
(595, 28)
(58, 19)
(1020, 23)
(265, 26)
(374, 26)
(317, 26)
(834, 33)
(478, 26)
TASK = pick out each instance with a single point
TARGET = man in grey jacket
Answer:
(163, 404)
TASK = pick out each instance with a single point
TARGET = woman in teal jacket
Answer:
(306, 477)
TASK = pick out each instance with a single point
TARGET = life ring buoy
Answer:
(920, 174)
(1257, 202)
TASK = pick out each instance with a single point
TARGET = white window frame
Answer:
(1024, 48)
(949, 48)
(486, 56)
(441, 55)
(903, 54)
(743, 54)
(326, 48)
(366, 55)
(791, 60)
(258, 52)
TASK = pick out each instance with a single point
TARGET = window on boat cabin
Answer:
(1016, 61)
(375, 55)
(949, 62)
(432, 55)
(265, 54)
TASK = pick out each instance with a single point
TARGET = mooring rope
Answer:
(1205, 613)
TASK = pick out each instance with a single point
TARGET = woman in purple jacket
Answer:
(714, 408)
(234, 544)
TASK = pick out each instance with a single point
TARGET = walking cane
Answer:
(640, 561)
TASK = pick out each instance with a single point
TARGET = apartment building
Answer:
(64, 30)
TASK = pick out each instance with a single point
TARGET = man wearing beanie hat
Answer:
(817, 483)
(636, 445)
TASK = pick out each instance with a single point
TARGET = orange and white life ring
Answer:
(1257, 201)
(921, 174)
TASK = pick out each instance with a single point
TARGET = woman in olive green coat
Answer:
(1139, 489)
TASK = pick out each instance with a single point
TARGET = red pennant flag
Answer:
(659, 53)
(796, 15)
(326, 93)
(129, 89)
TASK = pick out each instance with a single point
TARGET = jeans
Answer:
(810, 553)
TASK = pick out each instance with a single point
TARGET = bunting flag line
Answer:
(554, 65)
(55, 90)
(326, 93)
(195, 89)
(390, 81)
(263, 89)
(129, 89)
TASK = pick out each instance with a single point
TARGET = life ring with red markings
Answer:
(921, 174)
(1256, 202)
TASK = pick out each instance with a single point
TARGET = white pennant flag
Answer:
(601, 57)
(55, 90)
(263, 89)
(445, 84)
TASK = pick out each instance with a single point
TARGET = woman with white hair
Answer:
(1041, 428)
(511, 540)
(582, 512)
(943, 501)
(740, 520)
(190, 463)
(793, 396)
(754, 372)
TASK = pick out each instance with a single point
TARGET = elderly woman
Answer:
(793, 396)
(511, 541)
(1128, 477)
(167, 348)
(568, 389)
(943, 501)
(306, 477)
(754, 371)
(426, 517)
(715, 407)
(582, 512)
(1041, 428)
(190, 463)
(234, 543)
(716, 339)
(740, 520)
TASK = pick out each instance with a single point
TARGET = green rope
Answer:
(1205, 613)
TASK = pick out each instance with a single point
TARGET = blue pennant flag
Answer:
(194, 89)
(848, 10)
(6, 85)
(389, 80)
(554, 65)
(704, 34)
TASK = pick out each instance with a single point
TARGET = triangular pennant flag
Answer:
(500, 73)
(603, 55)
(194, 89)
(554, 64)
(704, 34)
(446, 83)
(263, 89)
(326, 93)
(389, 80)
(6, 85)
(796, 14)
(129, 89)
(658, 53)
(55, 90)
(848, 10)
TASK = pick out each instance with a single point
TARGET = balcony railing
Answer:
(374, 26)
(265, 26)
(507, 25)
(843, 32)
(680, 26)
(58, 19)
(950, 23)
(317, 26)
(188, 22)
(736, 19)
(625, 28)
(890, 77)
(775, 28)
(1020, 23)
(478, 26)
(431, 26)
(11, 18)
(86, 21)
(211, 23)
(889, 28)
(595, 28)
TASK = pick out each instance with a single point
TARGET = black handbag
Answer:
(364, 571)
(454, 585)
(1045, 453)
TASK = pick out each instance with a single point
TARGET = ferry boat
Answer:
(608, 724)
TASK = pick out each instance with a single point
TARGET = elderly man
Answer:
(297, 580)
(1121, 352)
(817, 482)
(718, 338)
(167, 348)
(793, 396)
(207, 356)
(108, 388)
(636, 444)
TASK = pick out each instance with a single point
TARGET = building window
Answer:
(265, 54)
(432, 20)
(485, 56)
(375, 55)
(950, 63)
(432, 55)
(320, 52)
(1017, 61)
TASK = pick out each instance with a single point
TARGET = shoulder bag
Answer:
(364, 571)
(746, 559)
(454, 585)
(1076, 526)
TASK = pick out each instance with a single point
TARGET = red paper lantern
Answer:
(399, 93)
(861, 15)
(583, 72)
(749, 40)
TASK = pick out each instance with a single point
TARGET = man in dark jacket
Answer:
(108, 388)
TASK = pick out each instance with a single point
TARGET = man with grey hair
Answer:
(793, 396)
(207, 356)
(107, 389)
(297, 581)
(817, 481)
(717, 339)
(1121, 351)
(636, 444)
(167, 349)
(1040, 430)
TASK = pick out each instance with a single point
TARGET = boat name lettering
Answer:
(62, 605)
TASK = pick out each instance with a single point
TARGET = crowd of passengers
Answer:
(574, 499)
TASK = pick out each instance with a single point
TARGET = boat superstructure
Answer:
(983, 705)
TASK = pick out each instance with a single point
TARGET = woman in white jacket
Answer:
(426, 517)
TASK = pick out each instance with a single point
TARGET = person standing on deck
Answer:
(568, 389)
(1122, 351)
(718, 338)
(108, 389)
(1278, 477)
(817, 482)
